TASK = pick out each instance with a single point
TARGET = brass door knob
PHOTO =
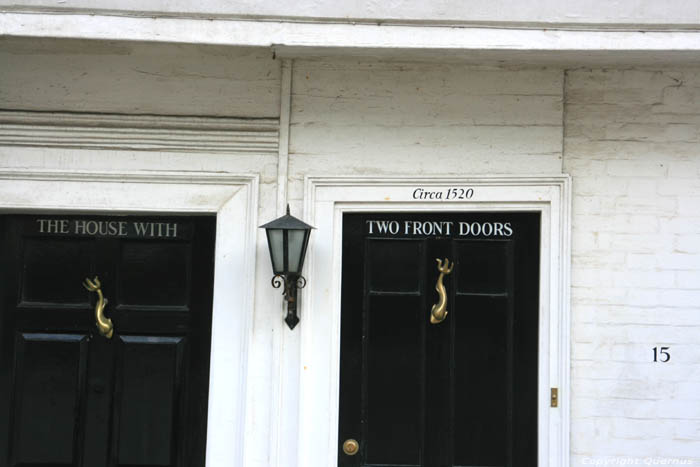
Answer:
(350, 447)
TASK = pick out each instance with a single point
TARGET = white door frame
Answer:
(233, 198)
(327, 198)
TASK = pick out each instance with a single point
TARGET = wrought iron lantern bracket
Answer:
(291, 285)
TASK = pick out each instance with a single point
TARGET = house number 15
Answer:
(661, 354)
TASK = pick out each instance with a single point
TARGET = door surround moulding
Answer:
(234, 199)
(327, 198)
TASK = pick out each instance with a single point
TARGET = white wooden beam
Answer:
(296, 38)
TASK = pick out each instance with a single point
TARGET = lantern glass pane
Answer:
(276, 241)
(296, 247)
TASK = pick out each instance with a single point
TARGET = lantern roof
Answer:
(287, 222)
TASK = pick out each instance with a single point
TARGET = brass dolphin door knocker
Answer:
(439, 311)
(104, 324)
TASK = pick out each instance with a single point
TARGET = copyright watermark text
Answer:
(619, 460)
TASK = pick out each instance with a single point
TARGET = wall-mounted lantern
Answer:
(287, 238)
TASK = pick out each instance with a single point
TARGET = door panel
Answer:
(142, 262)
(79, 398)
(394, 338)
(481, 381)
(462, 392)
(395, 342)
(48, 393)
(148, 397)
(52, 267)
(482, 341)
(486, 265)
(395, 266)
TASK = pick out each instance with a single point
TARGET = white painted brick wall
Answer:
(379, 118)
(138, 78)
(632, 147)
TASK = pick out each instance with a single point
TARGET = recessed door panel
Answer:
(482, 356)
(394, 338)
(52, 270)
(439, 323)
(48, 398)
(149, 380)
(485, 266)
(154, 273)
(481, 380)
(394, 267)
(394, 341)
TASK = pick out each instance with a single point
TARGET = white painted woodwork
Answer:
(406, 42)
(233, 199)
(631, 13)
(109, 131)
(325, 201)
(278, 439)
(285, 112)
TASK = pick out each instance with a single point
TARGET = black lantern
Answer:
(287, 238)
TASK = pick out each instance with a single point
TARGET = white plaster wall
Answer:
(137, 78)
(631, 145)
(546, 11)
(376, 118)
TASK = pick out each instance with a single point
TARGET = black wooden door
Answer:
(70, 396)
(462, 392)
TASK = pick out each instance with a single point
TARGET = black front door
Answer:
(458, 392)
(71, 395)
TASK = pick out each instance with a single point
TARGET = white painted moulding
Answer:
(139, 132)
